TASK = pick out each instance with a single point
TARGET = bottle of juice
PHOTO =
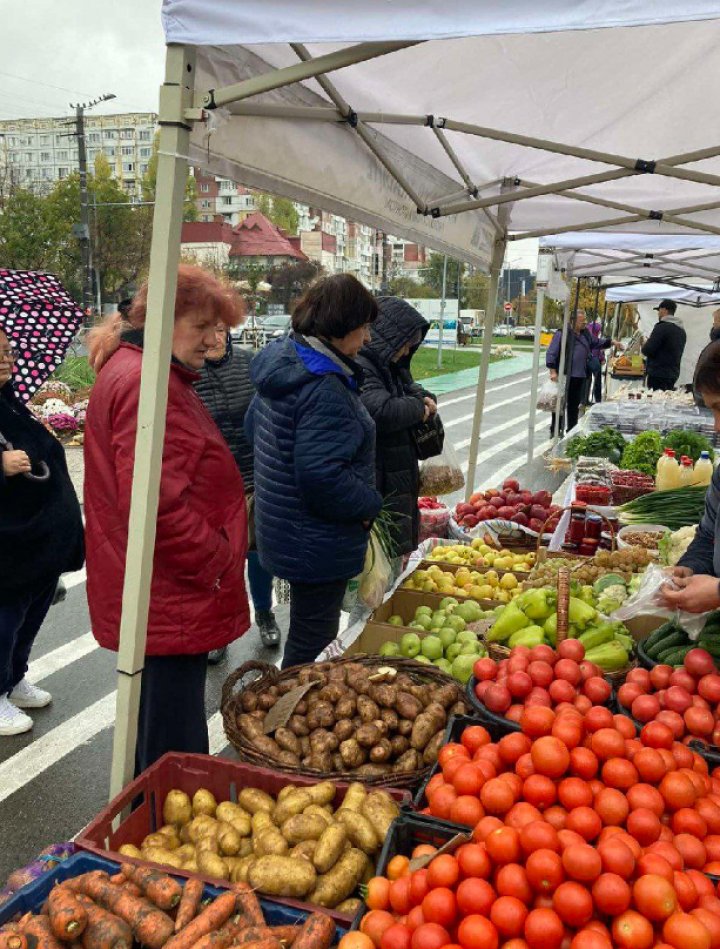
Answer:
(704, 469)
(667, 474)
(687, 472)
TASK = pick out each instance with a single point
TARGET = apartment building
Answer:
(37, 152)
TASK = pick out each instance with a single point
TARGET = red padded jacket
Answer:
(198, 600)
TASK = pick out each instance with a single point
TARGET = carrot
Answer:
(67, 917)
(248, 905)
(211, 918)
(117, 878)
(104, 930)
(219, 938)
(253, 934)
(160, 888)
(10, 940)
(269, 943)
(317, 932)
(40, 929)
(189, 903)
(132, 888)
(149, 924)
(286, 934)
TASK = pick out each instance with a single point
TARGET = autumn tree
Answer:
(281, 211)
(290, 280)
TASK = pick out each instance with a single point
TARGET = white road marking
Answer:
(443, 403)
(484, 433)
(489, 408)
(74, 579)
(505, 472)
(58, 658)
(39, 755)
(499, 446)
(216, 734)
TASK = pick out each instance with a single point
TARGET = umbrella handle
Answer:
(44, 470)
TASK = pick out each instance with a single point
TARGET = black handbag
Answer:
(429, 437)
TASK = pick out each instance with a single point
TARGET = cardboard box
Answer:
(454, 567)
(640, 627)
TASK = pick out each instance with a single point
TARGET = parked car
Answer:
(524, 332)
(275, 326)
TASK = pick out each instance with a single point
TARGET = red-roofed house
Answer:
(257, 240)
(207, 242)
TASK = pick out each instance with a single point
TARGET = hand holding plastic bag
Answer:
(648, 601)
(548, 396)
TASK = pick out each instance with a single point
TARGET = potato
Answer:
(287, 686)
(156, 840)
(303, 827)
(242, 824)
(346, 706)
(344, 729)
(359, 830)
(352, 754)
(304, 745)
(266, 746)
(229, 840)
(130, 850)
(321, 715)
(227, 810)
(258, 714)
(249, 701)
(266, 701)
(437, 711)
(410, 761)
(284, 791)
(349, 907)
(190, 866)
(171, 834)
(404, 727)
(161, 855)
(239, 872)
(322, 740)
(213, 865)
(246, 847)
(287, 740)
(204, 802)
(381, 751)
(371, 770)
(254, 800)
(354, 797)
(305, 850)
(368, 710)
(459, 708)
(288, 758)
(336, 674)
(270, 842)
(177, 808)
(421, 692)
(317, 811)
(337, 763)
(332, 693)
(385, 695)
(321, 761)
(390, 717)
(329, 847)
(407, 705)
(207, 844)
(424, 727)
(282, 876)
(368, 735)
(185, 852)
(380, 810)
(337, 885)
(200, 827)
(261, 822)
(433, 747)
(292, 804)
(298, 725)
(446, 695)
(322, 793)
(399, 745)
(301, 708)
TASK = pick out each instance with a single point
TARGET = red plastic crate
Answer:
(225, 778)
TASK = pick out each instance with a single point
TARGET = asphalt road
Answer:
(56, 778)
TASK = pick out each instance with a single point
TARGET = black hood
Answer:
(397, 323)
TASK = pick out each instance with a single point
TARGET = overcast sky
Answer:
(55, 53)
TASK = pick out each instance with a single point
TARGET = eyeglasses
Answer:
(8, 355)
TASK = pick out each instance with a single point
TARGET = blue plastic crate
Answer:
(31, 897)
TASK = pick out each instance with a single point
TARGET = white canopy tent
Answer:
(643, 292)
(406, 131)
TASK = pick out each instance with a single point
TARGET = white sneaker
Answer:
(27, 695)
(12, 720)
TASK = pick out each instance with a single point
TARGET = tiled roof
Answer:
(258, 237)
(206, 232)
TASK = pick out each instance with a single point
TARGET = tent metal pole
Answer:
(277, 78)
(495, 268)
(449, 198)
(267, 110)
(441, 325)
(539, 310)
(450, 152)
(590, 226)
(175, 97)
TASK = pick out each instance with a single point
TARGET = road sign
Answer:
(508, 307)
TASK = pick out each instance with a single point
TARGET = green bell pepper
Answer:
(580, 613)
(509, 621)
(530, 636)
(536, 604)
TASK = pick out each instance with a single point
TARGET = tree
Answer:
(476, 291)
(281, 211)
(434, 275)
(30, 237)
(290, 280)
(406, 287)
(149, 183)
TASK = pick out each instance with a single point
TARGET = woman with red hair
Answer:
(198, 600)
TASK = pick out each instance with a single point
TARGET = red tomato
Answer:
(475, 896)
(396, 937)
(568, 669)
(429, 936)
(597, 689)
(440, 906)
(477, 932)
(699, 662)
(571, 649)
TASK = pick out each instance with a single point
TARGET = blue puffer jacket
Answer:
(314, 445)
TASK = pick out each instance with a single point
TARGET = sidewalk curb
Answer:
(453, 381)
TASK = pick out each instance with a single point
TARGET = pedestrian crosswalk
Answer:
(76, 666)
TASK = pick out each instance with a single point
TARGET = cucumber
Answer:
(712, 647)
(664, 654)
(658, 634)
(676, 657)
(668, 642)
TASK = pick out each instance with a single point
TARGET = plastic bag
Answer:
(646, 601)
(368, 588)
(434, 519)
(441, 474)
(548, 396)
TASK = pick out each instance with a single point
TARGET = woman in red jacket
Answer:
(198, 600)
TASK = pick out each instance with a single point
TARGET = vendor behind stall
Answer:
(698, 569)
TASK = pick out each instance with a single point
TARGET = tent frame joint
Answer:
(352, 118)
(655, 215)
(645, 166)
(209, 100)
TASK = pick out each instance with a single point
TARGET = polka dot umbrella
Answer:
(40, 319)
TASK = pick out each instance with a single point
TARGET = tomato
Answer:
(398, 867)
(699, 721)
(650, 765)
(612, 806)
(691, 850)
(475, 896)
(611, 894)
(573, 904)
(378, 893)
(429, 936)
(688, 821)
(678, 791)
(536, 721)
(660, 676)
(359, 940)
(503, 845)
(574, 792)
(598, 717)
(665, 849)
(466, 810)
(608, 743)
(395, 937)
(699, 662)
(508, 915)
(590, 939)
(440, 906)
(374, 924)
(400, 896)
(711, 922)
(630, 930)
(653, 863)
(687, 893)
(544, 870)
(584, 821)
(616, 857)
(709, 688)
(568, 731)
(486, 826)
(419, 886)
(683, 930)
(477, 932)
(582, 863)
(539, 790)
(597, 689)
(644, 825)
(441, 801)
(450, 750)
(619, 773)
(538, 835)
(512, 880)
(414, 918)
(521, 814)
(443, 871)
(710, 813)
(628, 692)
(654, 897)
(678, 699)
(497, 796)
(550, 757)
(475, 736)
(671, 720)
(544, 929)
(473, 861)
(556, 816)
(583, 763)
(541, 673)
(513, 746)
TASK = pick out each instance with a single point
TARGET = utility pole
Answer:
(83, 230)
(441, 327)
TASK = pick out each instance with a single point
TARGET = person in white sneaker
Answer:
(41, 536)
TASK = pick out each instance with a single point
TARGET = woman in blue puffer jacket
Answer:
(314, 446)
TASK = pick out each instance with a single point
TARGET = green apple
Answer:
(447, 636)
(455, 622)
(422, 658)
(466, 636)
(469, 610)
(448, 603)
(462, 667)
(453, 651)
(432, 647)
(423, 620)
(390, 649)
(417, 626)
(410, 645)
(444, 665)
(438, 618)
(396, 620)
(470, 649)
(423, 609)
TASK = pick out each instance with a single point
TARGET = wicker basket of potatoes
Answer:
(370, 719)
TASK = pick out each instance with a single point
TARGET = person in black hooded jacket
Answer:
(397, 405)
(41, 536)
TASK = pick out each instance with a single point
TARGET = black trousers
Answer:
(21, 616)
(172, 708)
(314, 619)
(596, 386)
(660, 383)
(575, 394)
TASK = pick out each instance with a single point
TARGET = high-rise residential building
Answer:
(38, 152)
(406, 259)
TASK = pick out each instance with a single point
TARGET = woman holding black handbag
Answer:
(400, 409)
